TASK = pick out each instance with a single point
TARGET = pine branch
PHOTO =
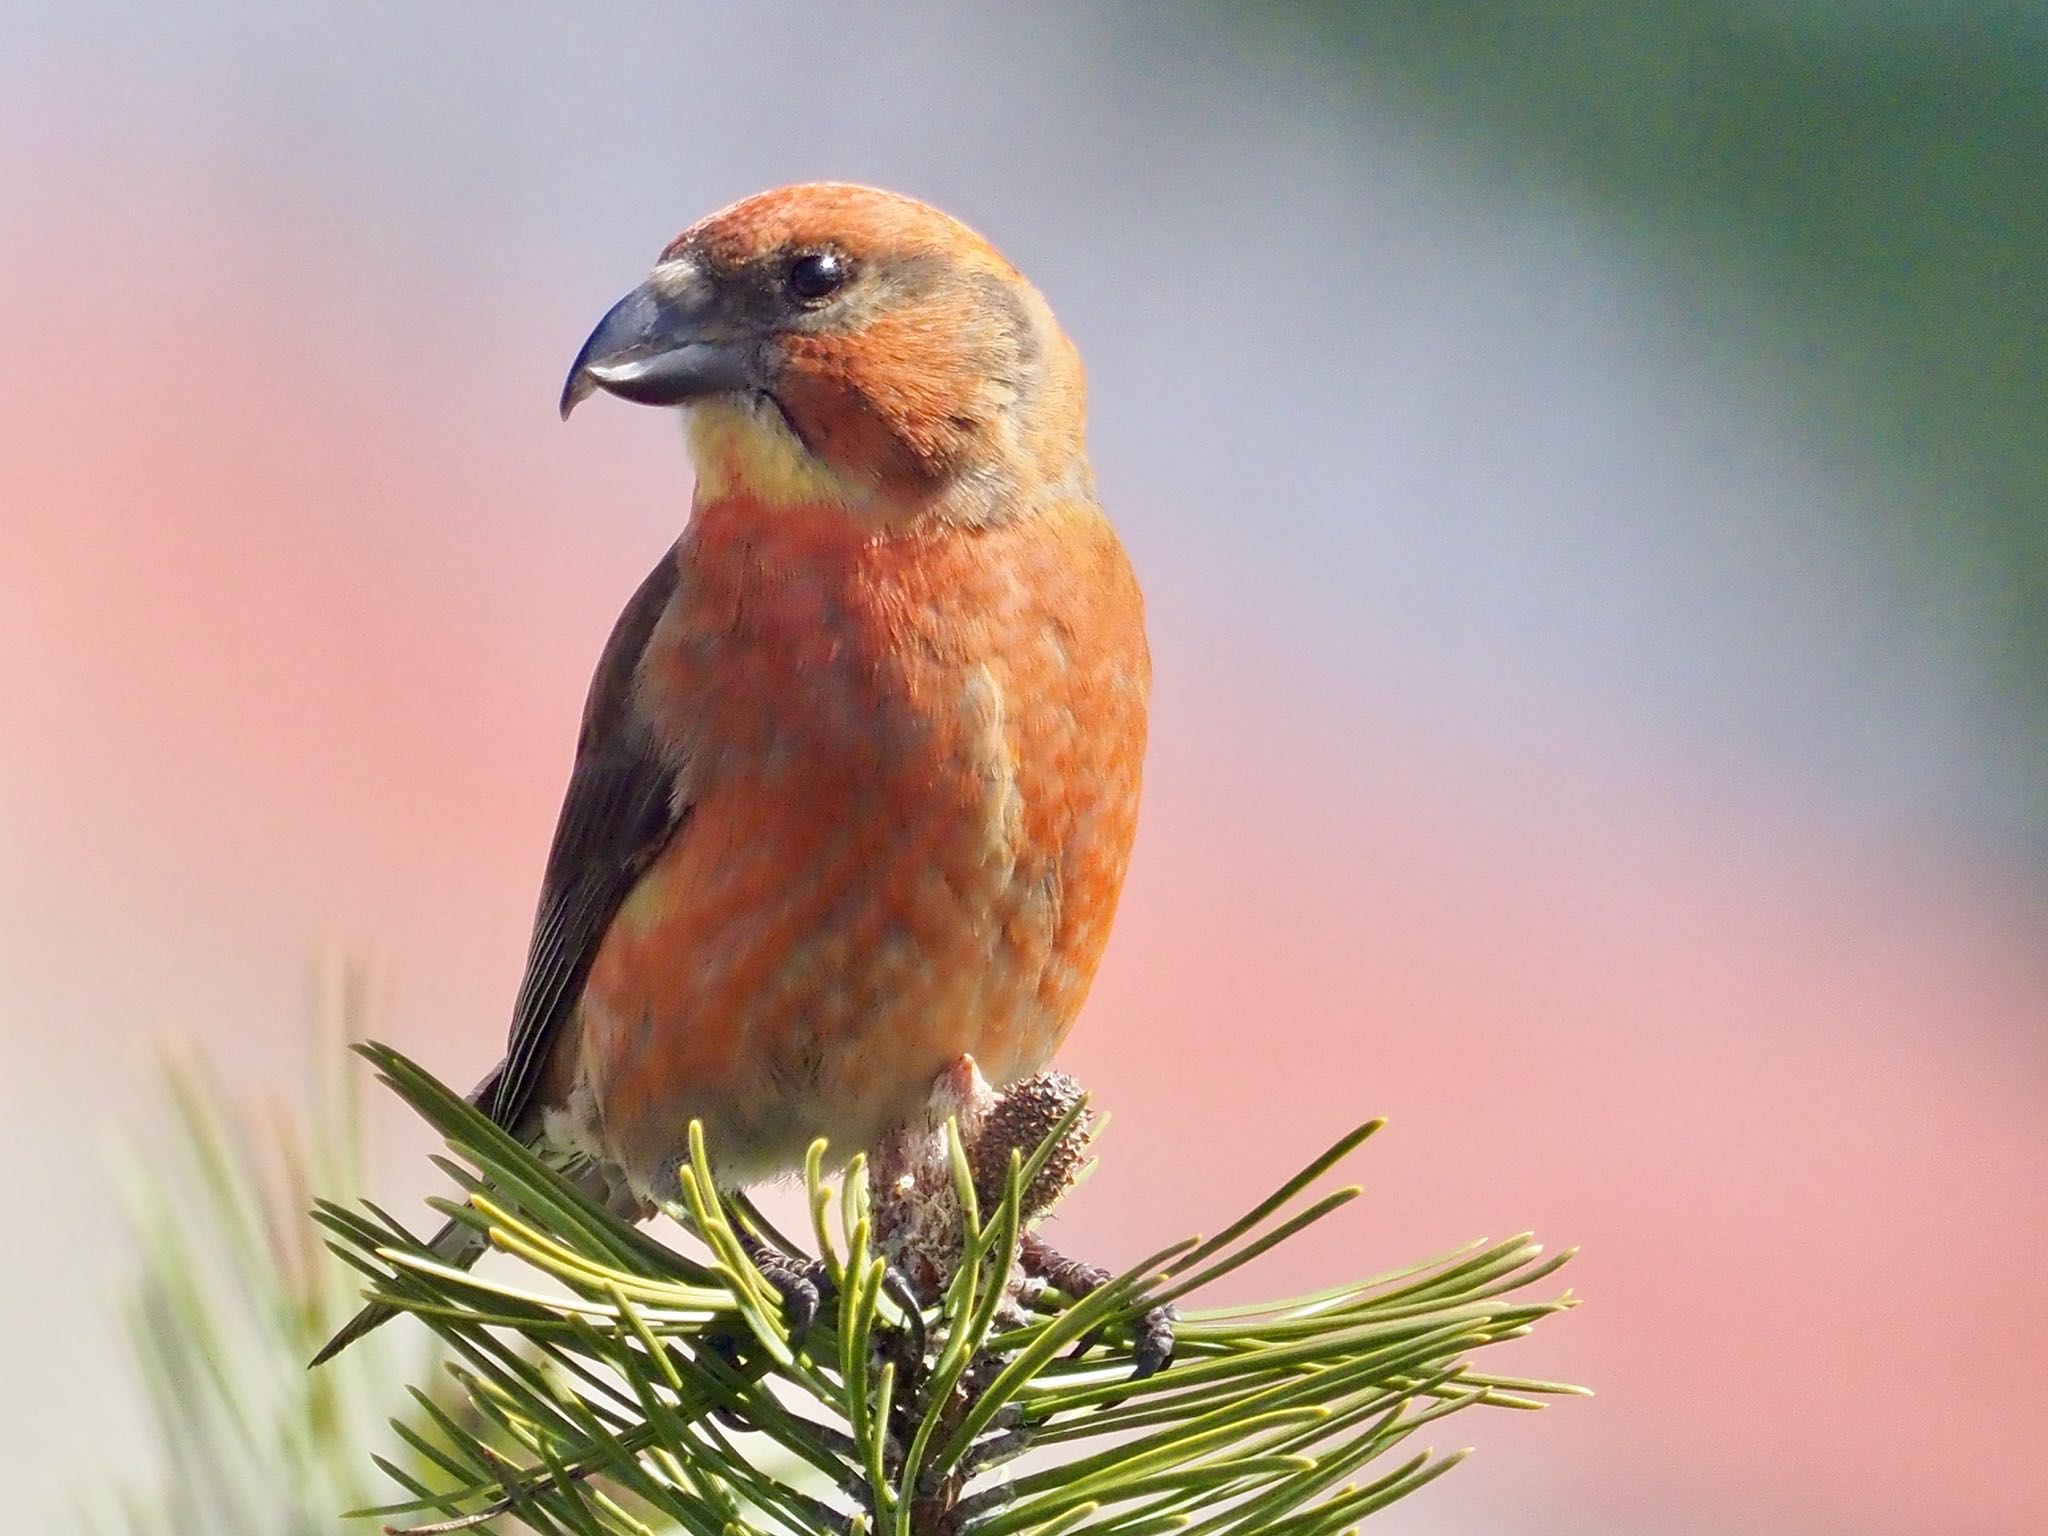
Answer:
(642, 1389)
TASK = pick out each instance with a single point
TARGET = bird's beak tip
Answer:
(578, 389)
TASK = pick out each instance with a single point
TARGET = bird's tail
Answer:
(453, 1244)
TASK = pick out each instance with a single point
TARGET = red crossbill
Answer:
(858, 774)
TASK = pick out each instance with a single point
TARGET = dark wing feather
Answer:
(619, 813)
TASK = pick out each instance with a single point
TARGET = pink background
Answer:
(1549, 755)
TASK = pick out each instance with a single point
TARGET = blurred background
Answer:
(1589, 468)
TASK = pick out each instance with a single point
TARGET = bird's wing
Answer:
(621, 809)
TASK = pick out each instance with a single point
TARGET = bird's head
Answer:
(838, 343)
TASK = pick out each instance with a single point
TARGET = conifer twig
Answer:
(643, 1389)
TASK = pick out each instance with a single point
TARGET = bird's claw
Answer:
(725, 1348)
(1152, 1342)
(801, 1283)
(896, 1286)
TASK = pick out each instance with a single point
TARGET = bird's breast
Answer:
(912, 764)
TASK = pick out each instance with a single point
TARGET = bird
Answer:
(857, 778)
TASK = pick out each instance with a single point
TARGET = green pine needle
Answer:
(232, 1292)
(611, 1385)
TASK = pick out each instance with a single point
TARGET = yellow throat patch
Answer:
(748, 449)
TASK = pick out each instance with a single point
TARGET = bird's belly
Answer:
(845, 912)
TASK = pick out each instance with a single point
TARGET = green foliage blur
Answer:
(1855, 196)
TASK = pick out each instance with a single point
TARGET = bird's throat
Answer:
(747, 450)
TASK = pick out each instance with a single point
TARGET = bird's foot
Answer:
(801, 1283)
(1152, 1346)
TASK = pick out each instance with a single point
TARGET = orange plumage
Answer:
(915, 785)
(859, 771)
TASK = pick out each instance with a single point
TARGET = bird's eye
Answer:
(816, 276)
